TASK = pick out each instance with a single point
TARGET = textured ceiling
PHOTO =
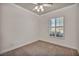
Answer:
(55, 6)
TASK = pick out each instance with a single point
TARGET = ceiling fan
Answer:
(40, 6)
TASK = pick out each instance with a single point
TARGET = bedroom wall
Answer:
(18, 27)
(0, 27)
(78, 25)
(70, 25)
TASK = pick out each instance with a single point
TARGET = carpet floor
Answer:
(41, 48)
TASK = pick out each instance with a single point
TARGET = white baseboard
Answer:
(9, 49)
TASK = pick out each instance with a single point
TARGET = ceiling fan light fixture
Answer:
(40, 6)
(42, 10)
(38, 10)
(36, 7)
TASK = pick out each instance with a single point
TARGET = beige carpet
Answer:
(41, 48)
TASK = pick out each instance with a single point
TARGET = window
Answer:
(56, 27)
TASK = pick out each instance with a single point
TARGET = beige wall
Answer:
(78, 25)
(0, 27)
(70, 15)
(18, 27)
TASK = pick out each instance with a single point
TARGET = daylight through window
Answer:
(56, 27)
